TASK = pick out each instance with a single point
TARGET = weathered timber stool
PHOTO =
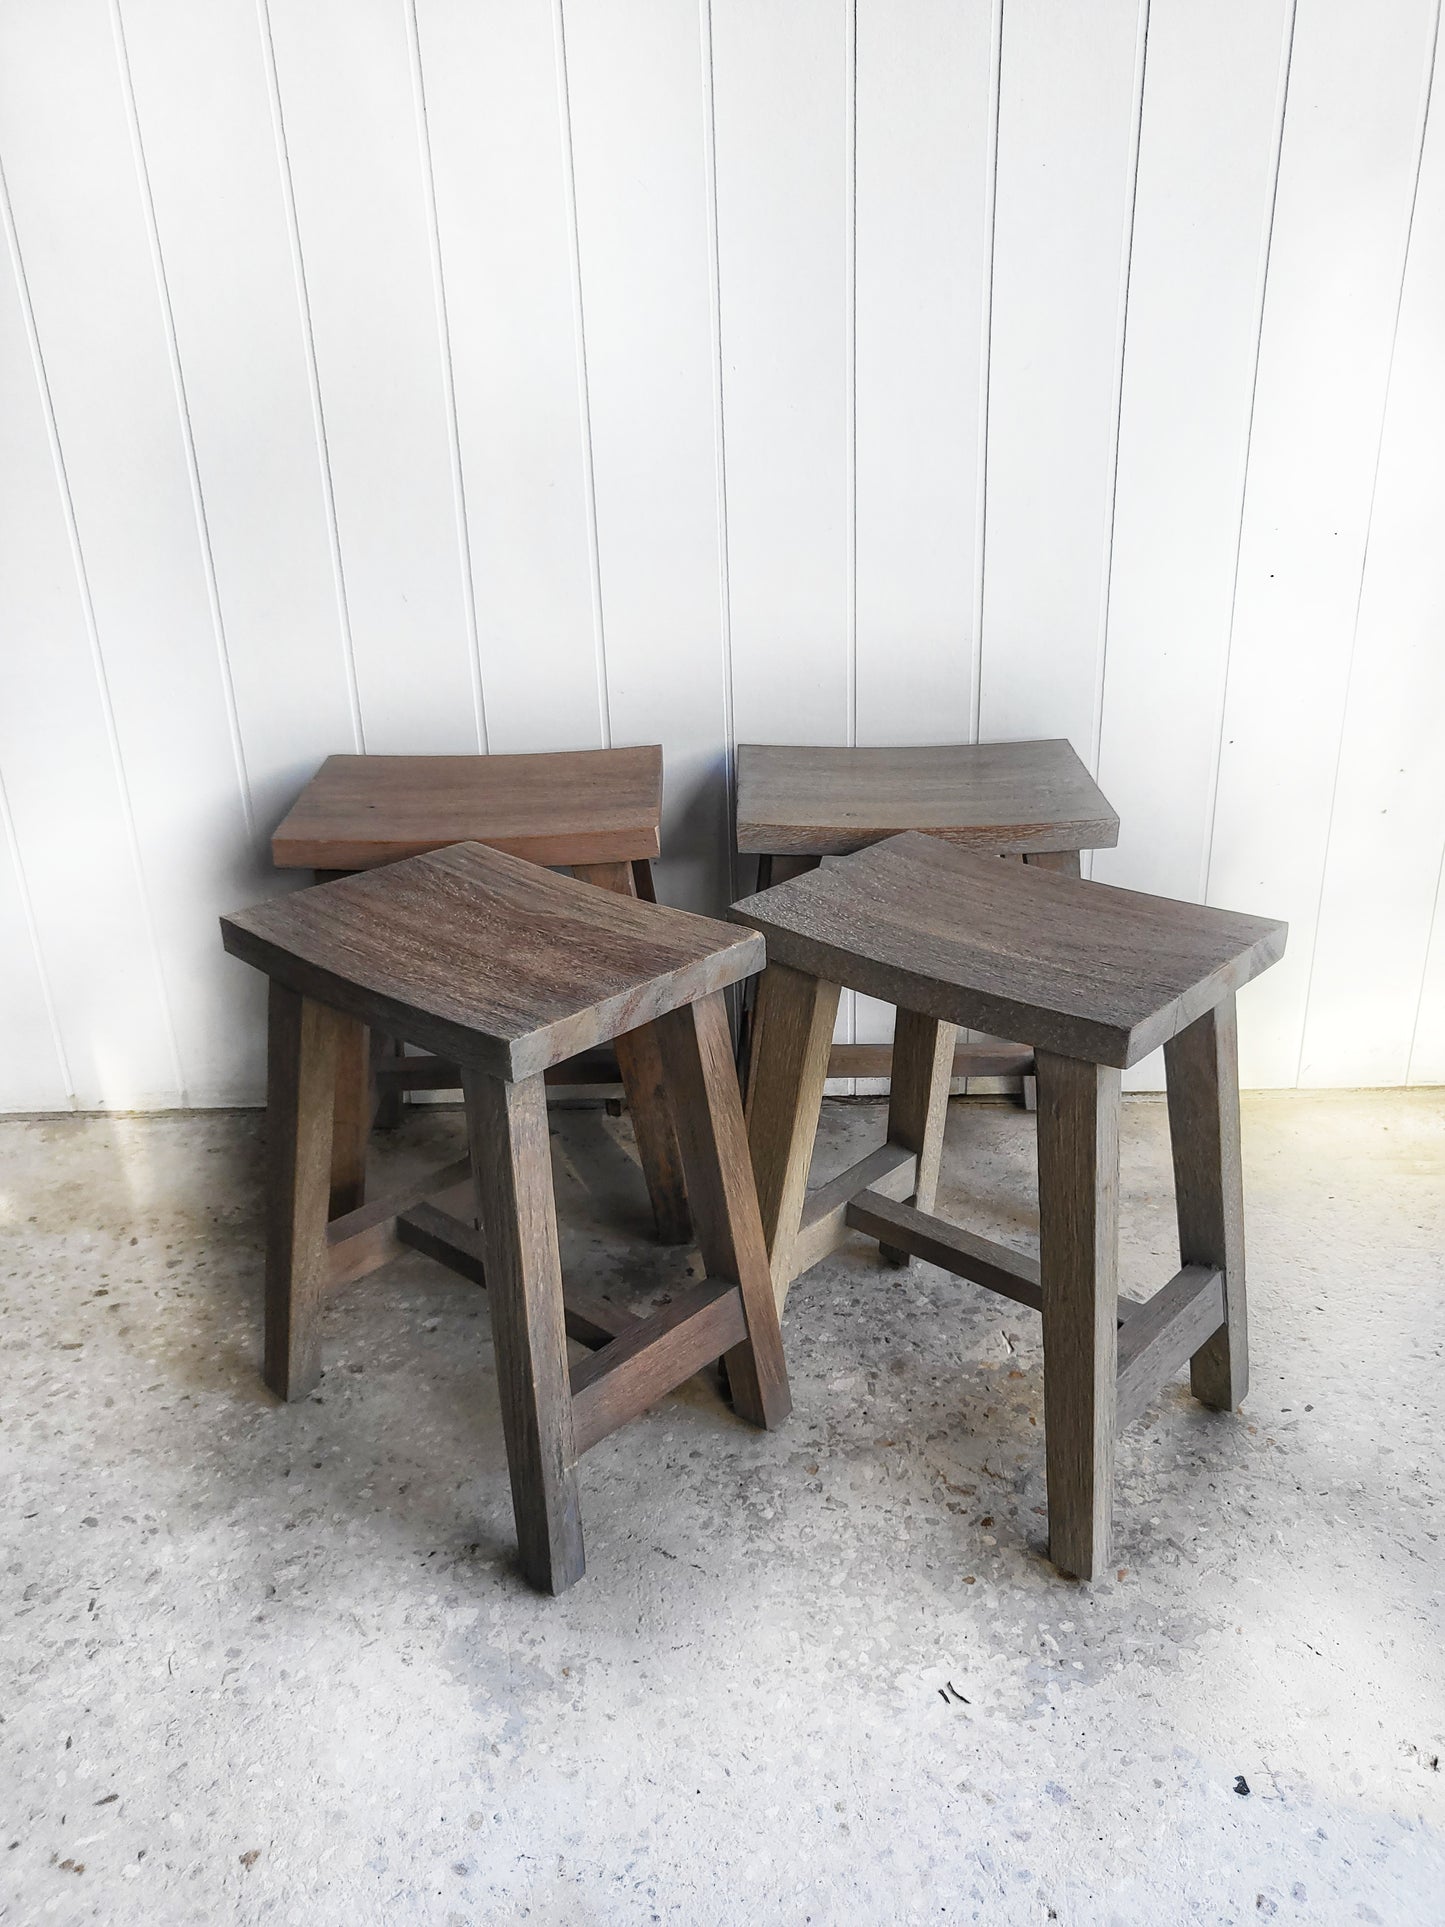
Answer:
(508, 969)
(596, 812)
(1032, 799)
(1093, 978)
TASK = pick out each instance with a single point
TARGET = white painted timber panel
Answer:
(495, 115)
(781, 88)
(1061, 228)
(82, 223)
(921, 268)
(1346, 185)
(204, 106)
(636, 82)
(353, 129)
(35, 1076)
(66, 800)
(1388, 831)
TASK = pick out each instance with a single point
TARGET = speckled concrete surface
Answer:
(266, 1664)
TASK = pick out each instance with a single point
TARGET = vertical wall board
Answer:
(923, 152)
(1342, 212)
(922, 175)
(66, 803)
(80, 216)
(494, 111)
(204, 110)
(1388, 830)
(1206, 177)
(1427, 1054)
(352, 128)
(35, 1077)
(1207, 151)
(1061, 226)
(781, 112)
(636, 75)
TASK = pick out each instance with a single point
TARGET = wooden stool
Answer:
(595, 811)
(507, 970)
(1093, 978)
(1035, 800)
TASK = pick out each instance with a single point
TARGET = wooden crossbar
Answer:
(969, 1060)
(656, 1355)
(923, 1235)
(363, 1240)
(889, 1171)
(429, 1073)
(1162, 1333)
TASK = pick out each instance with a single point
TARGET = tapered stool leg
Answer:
(1079, 1263)
(639, 1058)
(512, 1163)
(918, 1103)
(351, 1117)
(303, 1046)
(1201, 1068)
(792, 1031)
(697, 1049)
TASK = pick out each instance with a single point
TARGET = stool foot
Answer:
(1079, 1261)
(512, 1162)
(304, 1044)
(697, 1051)
(918, 1104)
(1201, 1069)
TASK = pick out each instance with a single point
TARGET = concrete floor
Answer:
(274, 1664)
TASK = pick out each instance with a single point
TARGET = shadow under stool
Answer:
(506, 970)
(1035, 800)
(1092, 978)
(597, 812)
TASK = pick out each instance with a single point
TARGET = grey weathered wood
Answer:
(428, 1073)
(569, 806)
(698, 1057)
(969, 1060)
(793, 1022)
(1162, 1333)
(827, 801)
(1066, 862)
(1013, 1274)
(303, 1044)
(918, 1104)
(1079, 969)
(889, 1171)
(511, 1158)
(639, 1059)
(1201, 1067)
(488, 959)
(1078, 1132)
(437, 1233)
(656, 1355)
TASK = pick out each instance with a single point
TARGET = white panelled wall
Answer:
(529, 374)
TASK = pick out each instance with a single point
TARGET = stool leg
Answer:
(697, 1049)
(1079, 1265)
(1201, 1067)
(351, 1118)
(386, 1115)
(639, 1058)
(512, 1162)
(1067, 863)
(792, 1031)
(918, 1103)
(304, 1041)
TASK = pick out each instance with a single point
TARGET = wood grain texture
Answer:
(1013, 1274)
(698, 1054)
(794, 800)
(639, 1060)
(303, 1039)
(487, 959)
(918, 1105)
(888, 1171)
(792, 1029)
(969, 1060)
(1077, 968)
(512, 1162)
(1162, 1333)
(1078, 1272)
(657, 1354)
(1202, 1076)
(575, 806)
